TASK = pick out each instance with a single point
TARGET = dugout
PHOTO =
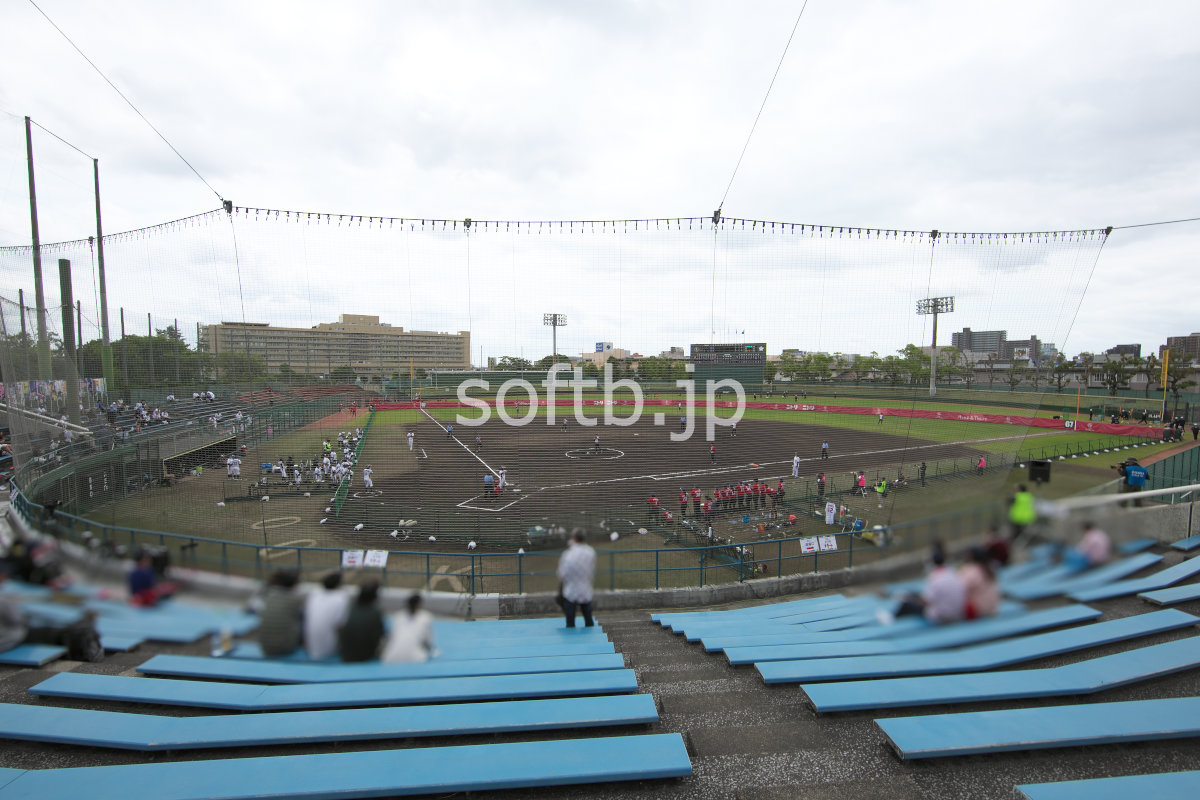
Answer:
(207, 455)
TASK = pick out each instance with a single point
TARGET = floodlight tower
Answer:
(934, 306)
(555, 321)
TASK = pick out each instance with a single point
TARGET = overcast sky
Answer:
(949, 115)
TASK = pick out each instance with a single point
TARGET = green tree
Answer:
(915, 363)
(1115, 372)
(1178, 369)
(344, 374)
(892, 368)
(513, 363)
(549, 361)
(1149, 366)
(1087, 364)
(1060, 371)
(991, 360)
(1017, 371)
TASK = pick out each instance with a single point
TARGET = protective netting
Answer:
(845, 359)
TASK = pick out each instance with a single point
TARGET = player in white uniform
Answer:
(237, 468)
(367, 477)
(503, 479)
(410, 441)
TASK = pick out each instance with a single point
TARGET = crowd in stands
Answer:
(328, 623)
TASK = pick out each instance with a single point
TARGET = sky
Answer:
(1021, 116)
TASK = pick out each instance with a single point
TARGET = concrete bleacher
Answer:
(742, 737)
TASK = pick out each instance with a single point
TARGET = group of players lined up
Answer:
(742, 496)
(326, 465)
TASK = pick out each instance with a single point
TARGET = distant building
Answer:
(1022, 350)
(1134, 350)
(1188, 345)
(673, 352)
(600, 356)
(359, 341)
(980, 341)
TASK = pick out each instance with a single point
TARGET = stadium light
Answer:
(934, 306)
(555, 321)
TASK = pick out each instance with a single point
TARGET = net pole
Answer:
(106, 353)
(68, 334)
(39, 296)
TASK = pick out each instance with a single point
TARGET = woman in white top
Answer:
(411, 637)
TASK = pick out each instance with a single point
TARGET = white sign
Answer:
(830, 512)
(352, 558)
(376, 558)
(1068, 423)
(809, 545)
(828, 542)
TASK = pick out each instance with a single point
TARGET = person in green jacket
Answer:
(1021, 511)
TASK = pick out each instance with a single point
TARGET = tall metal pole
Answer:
(24, 334)
(39, 298)
(124, 355)
(175, 344)
(106, 354)
(150, 349)
(68, 327)
(933, 360)
(78, 336)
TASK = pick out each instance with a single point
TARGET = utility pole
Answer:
(106, 354)
(39, 297)
(934, 306)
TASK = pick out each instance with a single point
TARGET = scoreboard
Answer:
(752, 354)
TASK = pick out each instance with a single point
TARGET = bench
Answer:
(980, 657)
(1083, 677)
(1041, 587)
(1159, 580)
(872, 629)
(938, 638)
(1176, 594)
(32, 655)
(1019, 729)
(1136, 546)
(42, 723)
(669, 619)
(1160, 786)
(495, 648)
(1188, 544)
(284, 697)
(378, 773)
(293, 672)
(694, 631)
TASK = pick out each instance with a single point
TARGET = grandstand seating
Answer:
(45, 723)
(979, 657)
(1083, 677)
(265, 671)
(1188, 544)
(1159, 580)
(1039, 587)
(254, 697)
(1160, 786)
(1176, 594)
(1077, 725)
(941, 637)
(373, 773)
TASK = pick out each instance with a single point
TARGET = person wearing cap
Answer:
(652, 506)
(683, 501)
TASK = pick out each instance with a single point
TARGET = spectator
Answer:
(1021, 511)
(577, 570)
(283, 609)
(324, 614)
(411, 639)
(362, 634)
(983, 593)
(1094, 549)
(12, 622)
(145, 589)
(998, 551)
(944, 598)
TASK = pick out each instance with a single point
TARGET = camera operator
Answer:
(1133, 476)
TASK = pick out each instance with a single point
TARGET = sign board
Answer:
(828, 542)
(352, 558)
(376, 558)
(809, 545)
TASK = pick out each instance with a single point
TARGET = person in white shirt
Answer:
(410, 440)
(577, 570)
(367, 477)
(411, 636)
(944, 598)
(1094, 549)
(237, 468)
(324, 612)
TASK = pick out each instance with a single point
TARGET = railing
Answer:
(520, 572)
